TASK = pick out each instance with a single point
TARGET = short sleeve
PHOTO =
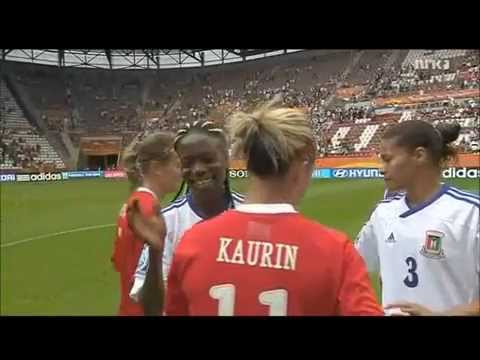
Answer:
(140, 274)
(146, 202)
(367, 244)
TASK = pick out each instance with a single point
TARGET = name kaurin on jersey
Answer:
(257, 253)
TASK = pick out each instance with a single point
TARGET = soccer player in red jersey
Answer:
(129, 160)
(157, 167)
(264, 258)
(202, 147)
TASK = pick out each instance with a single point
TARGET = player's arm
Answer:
(356, 295)
(473, 308)
(140, 274)
(367, 245)
(115, 258)
(470, 309)
(146, 222)
(118, 253)
(152, 230)
(153, 289)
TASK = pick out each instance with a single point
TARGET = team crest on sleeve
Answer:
(433, 245)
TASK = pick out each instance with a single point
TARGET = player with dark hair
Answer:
(425, 243)
(153, 171)
(264, 258)
(205, 192)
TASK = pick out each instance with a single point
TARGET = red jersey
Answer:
(267, 260)
(127, 249)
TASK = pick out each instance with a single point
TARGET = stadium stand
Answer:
(342, 91)
(22, 147)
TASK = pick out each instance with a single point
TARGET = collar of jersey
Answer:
(229, 204)
(267, 208)
(421, 206)
(147, 190)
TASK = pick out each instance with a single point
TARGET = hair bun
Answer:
(449, 132)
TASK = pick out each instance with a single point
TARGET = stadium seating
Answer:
(369, 61)
(339, 135)
(19, 136)
(366, 136)
(133, 103)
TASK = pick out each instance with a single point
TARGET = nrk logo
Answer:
(439, 64)
(461, 173)
(357, 173)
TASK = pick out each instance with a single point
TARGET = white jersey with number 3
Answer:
(428, 254)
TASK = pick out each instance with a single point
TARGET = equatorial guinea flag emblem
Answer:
(433, 245)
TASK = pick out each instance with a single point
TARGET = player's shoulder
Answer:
(460, 207)
(319, 232)
(141, 194)
(461, 199)
(175, 207)
(389, 205)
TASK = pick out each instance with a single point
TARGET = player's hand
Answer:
(150, 228)
(411, 309)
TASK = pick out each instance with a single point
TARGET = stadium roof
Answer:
(138, 58)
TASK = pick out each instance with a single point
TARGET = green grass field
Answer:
(56, 239)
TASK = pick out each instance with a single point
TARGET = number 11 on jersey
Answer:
(276, 300)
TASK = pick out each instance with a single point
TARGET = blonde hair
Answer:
(129, 163)
(156, 146)
(271, 137)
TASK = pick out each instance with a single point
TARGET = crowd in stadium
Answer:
(79, 105)
(21, 153)
(379, 81)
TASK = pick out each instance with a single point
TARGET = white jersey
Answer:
(429, 254)
(179, 217)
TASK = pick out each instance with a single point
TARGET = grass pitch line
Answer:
(13, 243)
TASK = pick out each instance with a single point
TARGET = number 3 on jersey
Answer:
(276, 300)
(411, 280)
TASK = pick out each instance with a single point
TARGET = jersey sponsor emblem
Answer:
(433, 245)
(391, 239)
